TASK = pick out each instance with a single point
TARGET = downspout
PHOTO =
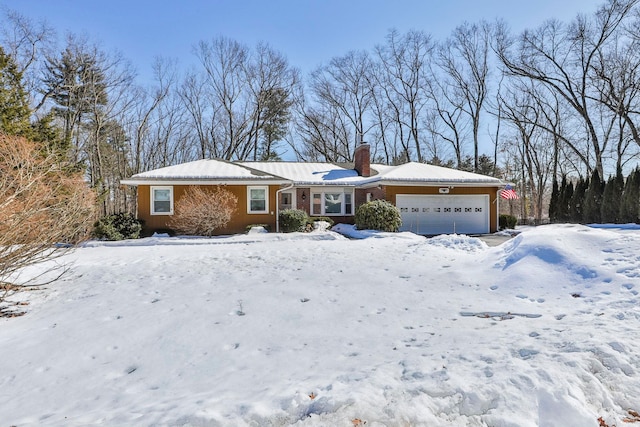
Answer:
(497, 210)
(278, 205)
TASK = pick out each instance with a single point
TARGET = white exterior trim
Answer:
(152, 200)
(266, 199)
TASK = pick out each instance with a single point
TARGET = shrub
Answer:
(378, 215)
(118, 227)
(201, 211)
(292, 220)
(43, 205)
(507, 222)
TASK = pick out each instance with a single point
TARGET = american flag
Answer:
(508, 193)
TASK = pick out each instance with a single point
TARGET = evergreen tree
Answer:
(76, 84)
(593, 199)
(630, 204)
(566, 194)
(553, 203)
(561, 211)
(14, 104)
(576, 205)
(611, 198)
(277, 116)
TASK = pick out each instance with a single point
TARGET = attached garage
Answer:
(444, 214)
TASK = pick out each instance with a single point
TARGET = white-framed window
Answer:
(257, 200)
(162, 200)
(332, 202)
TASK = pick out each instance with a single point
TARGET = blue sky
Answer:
(308, 32)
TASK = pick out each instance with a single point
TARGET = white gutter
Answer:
(217, 181)
(278, 205)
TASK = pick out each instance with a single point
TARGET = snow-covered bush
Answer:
(292, 220)
(200, 211)
(118, 226)
(311, 221)
(378, 215)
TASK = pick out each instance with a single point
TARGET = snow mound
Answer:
(459, 242)
(350, 231)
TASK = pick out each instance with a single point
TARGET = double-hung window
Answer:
(161, 200)
(332, 202)
(257, 200)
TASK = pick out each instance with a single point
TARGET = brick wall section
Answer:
(376, 194)
(303, 204)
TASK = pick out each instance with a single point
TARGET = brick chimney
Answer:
(362, 159)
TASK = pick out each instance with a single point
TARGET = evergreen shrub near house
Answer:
(507, 222)
(292, 220)
(118, 226)
(378, 215)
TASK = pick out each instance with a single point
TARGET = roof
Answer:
(309, 174)
(210, 170)
(413, 172)
(303, 173)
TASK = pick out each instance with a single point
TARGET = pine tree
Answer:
(576, 206)
(630, 204)
(562, 213)
(611, 198)
(75, 83)
(14, 104)
(593, 199)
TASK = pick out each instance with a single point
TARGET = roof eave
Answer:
(439, 183)
(203, 181)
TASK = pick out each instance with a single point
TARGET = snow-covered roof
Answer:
(307, 173)
(203, 170)
(413, 172)
(303, 173)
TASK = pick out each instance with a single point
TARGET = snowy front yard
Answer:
(318, 330)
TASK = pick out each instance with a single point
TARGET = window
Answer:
(348, 205)
(258, 200)
(332, 203)
(161, 200)
(317, 204)
(335, 202)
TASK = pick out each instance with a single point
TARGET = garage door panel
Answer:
(444, 214)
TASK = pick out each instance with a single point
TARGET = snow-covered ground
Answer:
(320, 330)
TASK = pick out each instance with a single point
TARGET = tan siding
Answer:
(238, 223)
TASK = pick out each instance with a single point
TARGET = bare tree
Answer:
(271, 82)
(562, 57)
(533, 146)
(464, 58)
(28, 43)
(401, 80)
(241, 97)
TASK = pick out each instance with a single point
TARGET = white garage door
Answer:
(444, 214)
